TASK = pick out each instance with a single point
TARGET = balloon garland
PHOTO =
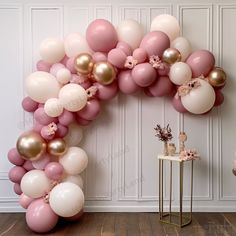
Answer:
(73, 78)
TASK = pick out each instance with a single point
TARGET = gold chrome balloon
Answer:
(57, 147)
(31, 145)
(84, 63)
(217, 77)
(104, 73)
(171, 55)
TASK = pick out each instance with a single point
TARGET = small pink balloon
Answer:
(64, 60)
(54, 170)
(82, 121)
(91, 110)
(66, 118)
(106, 92)
(28, 166)
(75, 79)
(75, 217)
(62, 131)
(155, 43)
(101, 36)
(164, 71)
(117, 58)
(177, 104)
(140, 55)
(70, 65)
(219, 97)
(17, 189)
(40, 217)
(126, 83)
(201, 62)
(43, 66)
(144, 74)
(45, 134)
(55, 68)
(125, 48)
(42, 162)
(15, 158)
(99, 56)
(25, 200)
(29, 105)
(16, 173)
(41, 117)
(37, 127)
(161, 87)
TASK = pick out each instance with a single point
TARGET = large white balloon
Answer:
(35, 184)
(180, 73)
(74, 136)
(76, 44)
(199, 100)
(73, 97)
(52, 50)
(66, 199)
(74, 161)
(40, 86)
(167, 24)
(75, 179)
(183, 46)
(53, 107)
(131, 32)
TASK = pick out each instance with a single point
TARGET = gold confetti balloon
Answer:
(84, 63)
(57, 147)
(171, 55)
(217, 77)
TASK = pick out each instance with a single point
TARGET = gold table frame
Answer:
(167, 217)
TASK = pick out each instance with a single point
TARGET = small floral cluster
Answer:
(186, 88)
(164, 134)
(189, 154)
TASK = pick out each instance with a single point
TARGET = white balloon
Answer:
(66, 199)
(76, 44)
(74, 161)
(53, 107)
(35, 184)
(74, 135)
(180, 73)
(63, 76)
(183, 46)
(199, 100)
(52, 50)
(131, 32)
(167, 24)
(75, 179)
(40, 86)
(73, 97)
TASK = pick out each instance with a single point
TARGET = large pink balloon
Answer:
(41, 117)
(140, 55)
(101, 36)
(91, 110)
(54, 170)
(219, 97)
(82, 121)
(28, 165)
(66, 118)
(17, 189)
(62, 131)
(117, 58)
(25, 200)
(126, 83)
(155, 43)
(70, 65)
(164, 71)
(144, 74)
(106, 92)
(125, 48)
(99, 56)
(177, 104)
(16, 173)
(37, 127)
(201, 62)
(40, 217)
(29, 105)
(15, 158)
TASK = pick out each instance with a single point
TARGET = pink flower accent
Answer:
(156, 62)
(187, 87)
(51, 129)
(78, 79)
(189, 154)
(91, 92)
(130, 62)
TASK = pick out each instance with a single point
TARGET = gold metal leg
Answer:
(181, 193)
(170, 191)
(191, 196)
(160, 189)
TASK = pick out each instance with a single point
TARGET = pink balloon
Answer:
(41, 117)
(91, 110)
(28, 166)
(75, 79)
(177, 104)
(64, 60)
(40, 217)
(101, 36)
(117, 58)
(125, 48)
(75, 217)
(16, 173)
(15, 158)
(29, 105)
(161, 87)
(42, 162)
(201, 62)
(45, 134)
(164, 71)
(147, 92)
(144, 74)
(99, 56)
(140, 55)
(82, 121)
(25, 200)
(70, 65)
(37, 127)
(54, 170)
(219, 98)
(55, 68)
(66, 118)
(106, 92)
(62, 131)
(17, 189)
(155, 43)
(43, 66)
(126, 83)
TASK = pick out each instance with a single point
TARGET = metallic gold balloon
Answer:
(57, 147)
(31, 145)
(217, 77)
(104, 73)
(84, 63)
(171, 55)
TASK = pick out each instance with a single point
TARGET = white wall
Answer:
(123, 173)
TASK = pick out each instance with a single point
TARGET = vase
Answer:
(165, 148)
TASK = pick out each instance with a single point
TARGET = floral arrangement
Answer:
(189, 154)
(164, 134)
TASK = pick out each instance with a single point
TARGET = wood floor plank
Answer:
(144, 224)
(108, 227)
(121, 224)
(157, 227)
(133, 224)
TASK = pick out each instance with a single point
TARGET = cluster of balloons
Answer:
(72, 79)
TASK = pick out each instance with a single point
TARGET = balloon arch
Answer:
(73, 78)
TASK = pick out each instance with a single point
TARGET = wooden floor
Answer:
(122, 224)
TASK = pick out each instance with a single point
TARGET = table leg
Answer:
(170, 191)
(181, 193)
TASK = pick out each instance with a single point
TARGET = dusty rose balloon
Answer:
(75, 217)
(40, 217)
(70, 65)
(219, 97)
(42, 162)
(76, 79)
(64, 60)
(37, 127)
(147, 92)
(144, 74)
(106, 92)
(15, 158)
(17, 189)
(201, 62)
(99, 56)
(177, 104)
(62, 131)
(163, 71)
(43, 66)
(155, 43)
(28, 166)
(101, 36)
(126, 83)
(82, 121)
(91, 110)
(140, 55)
(29, 104)
(66, 118)
(45, 134)
(16, 173)
(54, 170)
(41, 117)
(25, 200)
(117, 58)
(125, 48)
